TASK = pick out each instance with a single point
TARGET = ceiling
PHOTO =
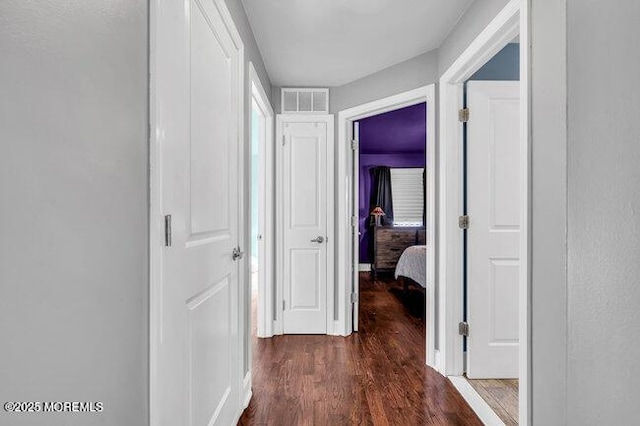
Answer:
(332, 42)
(402, 131)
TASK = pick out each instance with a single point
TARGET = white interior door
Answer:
(355, 228)
(305, 208)
(493, 197)
(198, 99)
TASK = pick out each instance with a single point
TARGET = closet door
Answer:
(307, 217)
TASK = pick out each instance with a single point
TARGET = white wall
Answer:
(586, 195)
(603, 212)
(415, 72)
(251, 51)
(418, 71)
(549, 213)
(474, 20)
(74, 208)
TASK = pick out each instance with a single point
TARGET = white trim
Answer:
(156, 231)
(246, 382)
(328, 119)
(364, 267)
(491, 40)
(267, 213)
(156, 215)
(263, 98)
(524, 382)
(512, 20)
(343, 278)
(475, 401)
(244, 268)
(437, 360)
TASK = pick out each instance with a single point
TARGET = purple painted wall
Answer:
(394, 139)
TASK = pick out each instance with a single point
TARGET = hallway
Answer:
(376, 376)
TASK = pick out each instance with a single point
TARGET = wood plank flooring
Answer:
(374, 377)
(502, 397)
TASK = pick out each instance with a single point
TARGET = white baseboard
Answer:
(364, 267)
(478, 405)
(437, 362)
(246, 385)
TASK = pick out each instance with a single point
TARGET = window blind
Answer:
(407, 194)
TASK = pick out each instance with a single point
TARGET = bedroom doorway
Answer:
(409, 171)
(389, 200)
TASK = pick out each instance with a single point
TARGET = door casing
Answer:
(511, 21)
(266, 279)
(355, 228)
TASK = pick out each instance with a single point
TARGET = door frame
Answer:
(156, 215)
(345, 259)
(266, 273)
(511, 21)
(328, 119)
(354, 137)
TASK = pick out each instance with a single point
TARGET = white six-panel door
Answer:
(493, 196)
(305, 204)
(196, 371)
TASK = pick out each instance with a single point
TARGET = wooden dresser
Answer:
(389, 242)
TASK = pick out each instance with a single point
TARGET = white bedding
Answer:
(413, 264)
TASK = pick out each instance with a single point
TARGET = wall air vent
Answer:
(305, 101)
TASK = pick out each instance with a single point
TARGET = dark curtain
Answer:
(381, 194)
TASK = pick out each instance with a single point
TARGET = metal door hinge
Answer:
(284, 140)
(463, 329)
(354, 221)
(463, 222)
(354, 298)
(354, 145)
(283, 305)
(463, 115)
(167, 230)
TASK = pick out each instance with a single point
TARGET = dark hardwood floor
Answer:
(374, 377)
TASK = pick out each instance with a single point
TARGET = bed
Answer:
(413, 265)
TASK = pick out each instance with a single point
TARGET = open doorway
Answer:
(389, 200)
(262, 220)
(257, 238)
(484, 166)
(491, 246)
(356, 234)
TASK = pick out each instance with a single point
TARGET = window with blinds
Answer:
(407, 195)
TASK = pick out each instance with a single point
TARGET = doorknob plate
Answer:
(237, 254)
